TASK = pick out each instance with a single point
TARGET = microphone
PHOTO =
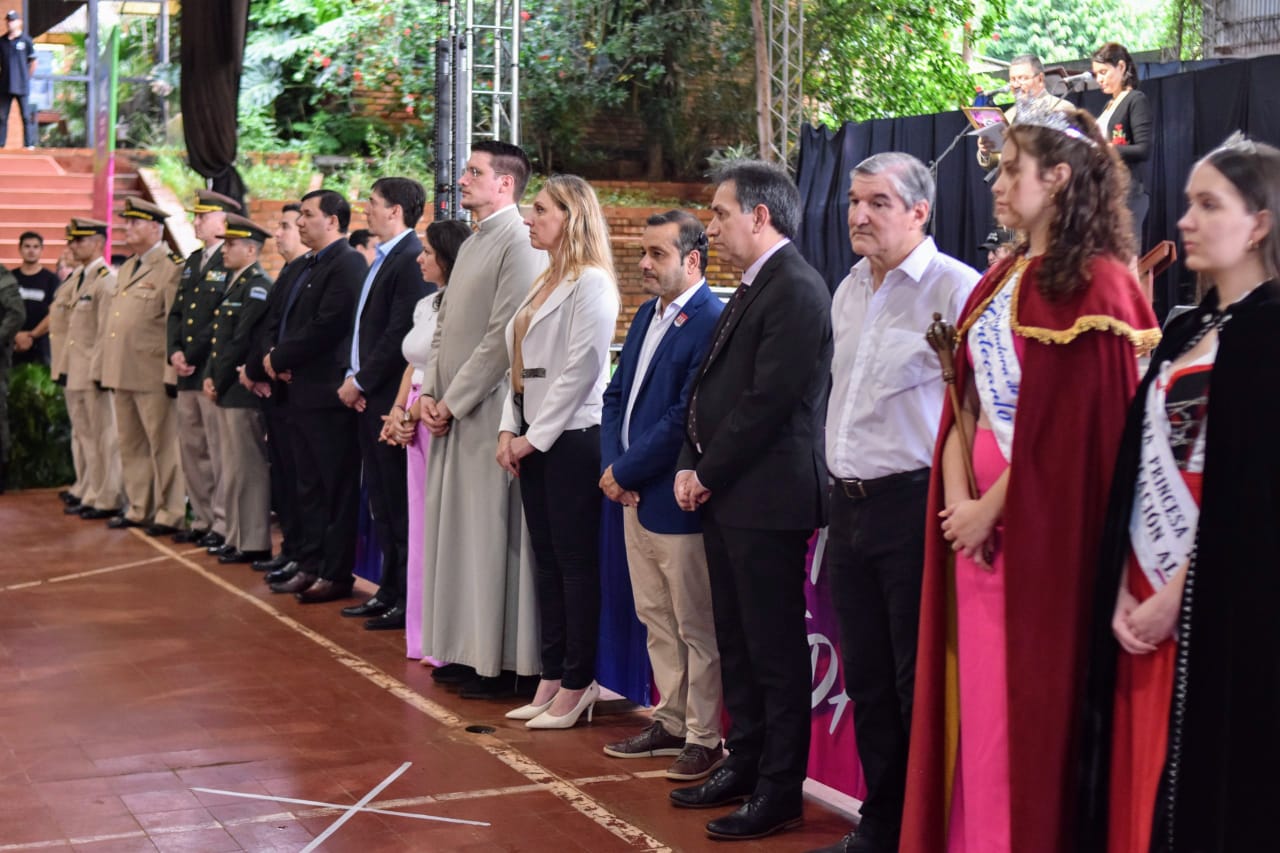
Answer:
(999, 91)
(1082, 77)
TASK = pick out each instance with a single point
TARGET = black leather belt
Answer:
(856, 490)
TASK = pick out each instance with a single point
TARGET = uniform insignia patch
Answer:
(176, 258)
(258, 293)
(215, 275)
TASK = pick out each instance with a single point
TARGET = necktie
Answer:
(722, 332)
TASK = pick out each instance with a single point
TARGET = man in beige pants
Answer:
(134, 366)
(641, 434)
(93, 421)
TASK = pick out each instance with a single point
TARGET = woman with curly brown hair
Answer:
(1047, 355)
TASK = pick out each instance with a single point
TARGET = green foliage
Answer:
(875, 58)
(677, 65)
(40, 429)
(1183, 26)
(1057, 31)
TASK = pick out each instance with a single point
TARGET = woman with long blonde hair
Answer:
(558, 341)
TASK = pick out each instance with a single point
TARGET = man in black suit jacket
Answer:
(753, 463)
(308, 361)
(384, 316)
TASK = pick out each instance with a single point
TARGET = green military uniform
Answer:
(241, 425)
(134, 366)
(13, 313)
(190, 324)
(89, 407)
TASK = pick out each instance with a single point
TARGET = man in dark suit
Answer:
(312, 346)
(384, 315)
(641, 434)
(753, 462)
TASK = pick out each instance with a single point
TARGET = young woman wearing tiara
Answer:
(1046, 366)
(1188, 582)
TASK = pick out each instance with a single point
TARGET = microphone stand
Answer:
(933, 173)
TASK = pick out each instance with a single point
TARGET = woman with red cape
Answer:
(1183, 735)
(1046, 366)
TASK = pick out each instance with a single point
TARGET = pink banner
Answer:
(833, 752)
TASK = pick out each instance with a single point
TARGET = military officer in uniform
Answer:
(200, 289)
(93, 419)
(241, 428)
(59, 320)
(134, 365)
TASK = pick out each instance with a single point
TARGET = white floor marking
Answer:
(360, 804)
(342, 808)
(91, 573)
(513, 758)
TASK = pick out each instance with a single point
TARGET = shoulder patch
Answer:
(176, 258)
(258, 293)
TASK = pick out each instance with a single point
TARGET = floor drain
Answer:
(481, 730)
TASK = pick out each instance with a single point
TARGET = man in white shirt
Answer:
(882, 422)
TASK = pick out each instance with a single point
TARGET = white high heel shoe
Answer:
(528, 712)
(587, 703)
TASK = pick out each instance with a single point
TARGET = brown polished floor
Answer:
(154, 700)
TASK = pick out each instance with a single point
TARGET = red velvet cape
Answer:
(1079, 372)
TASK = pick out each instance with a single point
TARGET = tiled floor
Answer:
(145, 691)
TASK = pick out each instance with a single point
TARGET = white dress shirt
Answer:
(658, 326)
(886, 390)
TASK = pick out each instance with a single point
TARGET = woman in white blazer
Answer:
(559, 346)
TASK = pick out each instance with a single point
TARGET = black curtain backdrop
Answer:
(1193, 112)
(213, 34)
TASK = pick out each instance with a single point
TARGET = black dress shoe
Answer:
(235, 555)
(74, 509)
(212, 540)
(763, 814)
(372, 607)
(391, 620)
(295, 584)
(323, 591)
(224, 548)
(453, 673)
(506, 685)
(187, 537)
(89, 513)
(120, 522)
(726, 785)
(154, 530)
(282, 574)
(67, 498)
(279, 561)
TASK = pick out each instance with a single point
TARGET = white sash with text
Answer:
(996, 369)
(1162, 528)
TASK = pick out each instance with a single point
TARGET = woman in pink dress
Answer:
(402, 425)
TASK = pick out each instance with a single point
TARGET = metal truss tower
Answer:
(477, 88)
(784, 22)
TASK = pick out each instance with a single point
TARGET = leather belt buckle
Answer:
(854, 490)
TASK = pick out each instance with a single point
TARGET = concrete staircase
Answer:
(41, 190)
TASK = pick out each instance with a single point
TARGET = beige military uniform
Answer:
(59, 322)
(88, 406)
(134, 365)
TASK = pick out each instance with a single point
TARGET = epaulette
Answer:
(102, 271)
(176, 258)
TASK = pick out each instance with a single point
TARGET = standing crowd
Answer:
(1049, 572)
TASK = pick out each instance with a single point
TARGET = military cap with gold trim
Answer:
(242, 228)
(136, 208)
(83, 227)
(208, 201)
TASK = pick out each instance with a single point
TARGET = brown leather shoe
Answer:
(695, 762)
(297, 583)
(323, 590)
(654, 740)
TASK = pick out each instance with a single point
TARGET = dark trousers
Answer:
(284, 476)
(327, 460)
(385, 481)
(757, 599)
(28, 120)
(560, 492)
(875, 559)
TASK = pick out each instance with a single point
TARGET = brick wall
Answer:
(626, 224)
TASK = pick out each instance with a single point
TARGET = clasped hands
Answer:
(351, 395)
(1140, 627)
(615, 492)
(511, 449)
(400, 425)
(968, 525)
(690, 493)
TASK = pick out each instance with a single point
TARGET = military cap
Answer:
(208, 201)
(242, 228)
(998, 238)
(82, 227)
(136, 208)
